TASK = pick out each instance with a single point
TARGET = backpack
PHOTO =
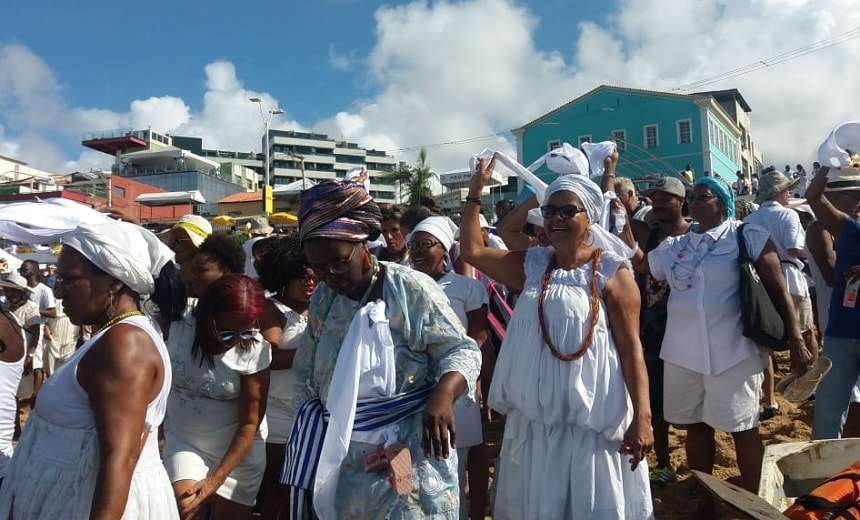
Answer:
(837, 498)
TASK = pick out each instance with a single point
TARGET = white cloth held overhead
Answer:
(45, 220)
(355, 172)
(565, 160)
(597, 153)
(833, 151)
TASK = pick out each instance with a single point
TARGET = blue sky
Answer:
(395, 75)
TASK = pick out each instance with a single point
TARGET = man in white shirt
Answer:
(789, 238)
(40, 294)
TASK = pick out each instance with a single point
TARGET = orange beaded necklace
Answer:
(595, 310)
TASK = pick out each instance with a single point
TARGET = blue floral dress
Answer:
(429, 341)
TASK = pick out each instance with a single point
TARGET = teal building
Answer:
(657, 133)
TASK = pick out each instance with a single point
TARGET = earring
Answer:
(111, 310)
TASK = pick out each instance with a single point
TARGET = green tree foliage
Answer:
(414, 181)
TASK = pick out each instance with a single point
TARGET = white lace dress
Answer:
(53, 472)
(565, 420)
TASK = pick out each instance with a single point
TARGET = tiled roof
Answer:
(242, 196)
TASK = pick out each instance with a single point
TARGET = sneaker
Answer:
(769, 412)
(662, 475)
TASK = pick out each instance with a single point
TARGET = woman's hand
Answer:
(638, 440)
(801, 357)
(610, 162)
(192, 504)
(439, 433)
(483, 172)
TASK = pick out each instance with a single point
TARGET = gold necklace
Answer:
(118, 318)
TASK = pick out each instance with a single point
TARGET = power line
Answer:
(740, 71)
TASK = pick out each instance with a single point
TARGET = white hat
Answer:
(16, 281)
(197, 227)
(260, 226)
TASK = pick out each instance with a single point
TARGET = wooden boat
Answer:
(788, 470)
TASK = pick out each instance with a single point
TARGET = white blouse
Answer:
(704, 330)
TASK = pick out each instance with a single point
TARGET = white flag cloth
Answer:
(45, 220)
(597, 153)
(833, 151)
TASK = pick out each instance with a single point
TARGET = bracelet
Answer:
(473, 200)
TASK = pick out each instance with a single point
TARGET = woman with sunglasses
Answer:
(214, 433)
(570, 375)
(712, 373)
(284, 272)
(386, 357)
(428, 246)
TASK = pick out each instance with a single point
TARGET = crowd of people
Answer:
(348, 369)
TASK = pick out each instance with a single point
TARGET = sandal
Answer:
(803, 387)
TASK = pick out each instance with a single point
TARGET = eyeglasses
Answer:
(230, 336)
(339, 268)
(701, 197)
(566, 211)
(420, 245)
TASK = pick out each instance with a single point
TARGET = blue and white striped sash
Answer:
(308, 434)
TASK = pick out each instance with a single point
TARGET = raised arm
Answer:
(831, 218)
(503, 266)
(511, 227)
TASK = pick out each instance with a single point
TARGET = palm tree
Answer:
(415, 180)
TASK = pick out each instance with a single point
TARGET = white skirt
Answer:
(53, 475)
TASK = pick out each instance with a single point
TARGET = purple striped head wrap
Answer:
(339, 211)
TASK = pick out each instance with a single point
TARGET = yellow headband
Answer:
(188, 226)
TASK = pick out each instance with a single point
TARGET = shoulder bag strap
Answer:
(743, 256)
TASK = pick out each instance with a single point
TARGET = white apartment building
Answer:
(320, 158)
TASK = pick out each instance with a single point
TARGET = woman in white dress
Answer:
(284, 272)
(215, 430)
(429, 244)
(90, 448)
(570, 375)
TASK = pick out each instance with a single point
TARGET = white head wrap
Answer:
(593, 203)
(439, 227)
(128, 252)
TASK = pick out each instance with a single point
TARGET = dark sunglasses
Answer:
(566, 211)
(229, 336)
(414, 245)
(701, 197)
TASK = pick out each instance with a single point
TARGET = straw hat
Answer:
(16, 281)
(847, 180)
(772, 184)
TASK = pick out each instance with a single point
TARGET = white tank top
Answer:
(64, 402)
(10, 378)
(282, 381)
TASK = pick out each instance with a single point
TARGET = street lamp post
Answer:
(266, 123)
(301, 159)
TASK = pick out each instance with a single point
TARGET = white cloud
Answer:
(448, 71)
(339, 60)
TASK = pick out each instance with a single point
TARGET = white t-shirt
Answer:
(43, 296)
(786, 232)
(465, 294)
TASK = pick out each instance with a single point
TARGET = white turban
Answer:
(593, 202)
(128, 252)
(439, 227)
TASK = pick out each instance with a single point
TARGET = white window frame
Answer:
(622, 146)
(656, 136)
(584, 139)
(689, 130)
(552, 144)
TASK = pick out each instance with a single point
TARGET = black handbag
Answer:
(761, 321)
